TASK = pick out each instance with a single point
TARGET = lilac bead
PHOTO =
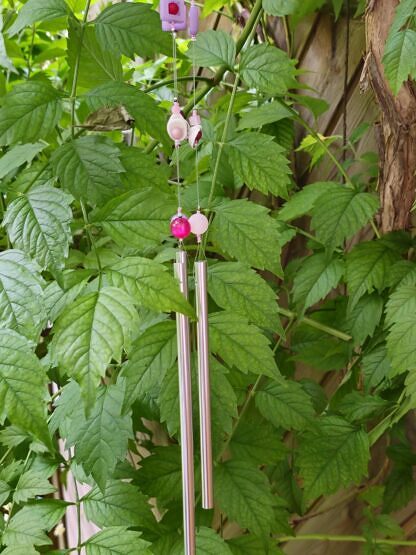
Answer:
(193, 20)
(180, 226)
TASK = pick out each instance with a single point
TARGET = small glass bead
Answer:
(180, 226)
(199, 223)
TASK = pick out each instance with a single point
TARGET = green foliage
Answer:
(213, 48)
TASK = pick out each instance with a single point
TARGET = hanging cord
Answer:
(175, 99)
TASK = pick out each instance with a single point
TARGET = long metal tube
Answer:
(201, 299)
(185, 404)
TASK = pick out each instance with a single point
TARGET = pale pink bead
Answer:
(180, 226)
(199, 223)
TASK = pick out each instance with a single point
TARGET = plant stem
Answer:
(167, 82)
(79, 519)
(92, 242)
(347, 538)
(314, 324)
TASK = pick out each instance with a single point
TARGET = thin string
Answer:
(175, 69)
(196, 149)
(175, 92)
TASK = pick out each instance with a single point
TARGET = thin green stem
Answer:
(92, 243)
(346, 538)
(30, 55)
(79, 519)
(169, 81)
(6, 454)
(314, 324)
(3, 211)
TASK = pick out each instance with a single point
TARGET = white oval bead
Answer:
(199, 223)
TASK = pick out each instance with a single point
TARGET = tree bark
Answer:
(396, 131)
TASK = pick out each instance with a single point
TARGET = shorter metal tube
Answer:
(201, 299)
(185, 406)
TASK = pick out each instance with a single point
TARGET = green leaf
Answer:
(131, 29)
(268, 69)
(38, 222)
(401, 318)
(148, 116)
(23, 391)
(101, 440)
(137, 219)
(251, 545)
(208, 542)
(400, 57)
(153, 353)
(264, 114)
(89, 333)
(21, 295)
(241, 345)
(235, 287)
(142, 169)
(29, 112)
(243, 494)
(30, 485)
(280, 7)
(400, 488)
(240, 227)
(259, 162)
(357, 407)
(376, 367)
(89, 168)
(286, 405)
(213, 48)
(28, 526)
(20, 550)
(18, 155)
(325, 455)
(315, 278)
(117, 540)
(121, 504)
(38, 10)
(340, 213)
(160, 474)
(362, 321)
(368, 267)
(150, 284)
(302, 202)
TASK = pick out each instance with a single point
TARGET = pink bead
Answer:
(176, 133)
(180, 226)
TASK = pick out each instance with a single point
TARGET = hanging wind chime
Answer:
(174, 18)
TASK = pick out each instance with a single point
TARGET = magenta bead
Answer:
(180, 227)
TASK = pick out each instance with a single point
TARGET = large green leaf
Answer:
(302, 202)
(31, 484)
(236, 287)
(29, 112)
(90, 168)
(131, 29)
(101, 440)
(325, 455)
(241, 345)
(243, 494)
(248, 544)
(89, 333)
(38, 10)
(340, 213)
(213, 48)
(208, 542)
(401, 317)
(21, 295)
(150, 284)
(376, 367)
(122, 504)
(17, 156)
(153, 353)
(264, 114)
(286, 405)
(240, 228)
(143, 169)
(25, 549)
(117, 540)
(148, 117)
(362, 321)
(160, 475)
(400, 57)
(137, 219)
(259, 162)
(281, 7)
(38, 222)
(368, 267)
(268, 69)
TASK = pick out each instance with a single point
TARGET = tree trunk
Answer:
(397, 128)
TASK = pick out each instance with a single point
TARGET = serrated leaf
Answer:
(131, 29)
(286, 405)
(401, 317)
(160, 474)
(251, 545)
(38, 222)
(340, 213)
(262, 115)
(117, 540)
(150, 284)
(38, 10)
(243, 494)
(280, 7)
(302, 202)
(122, 504)
(142, 169)
(362, 321)
(89, 168)
(29, 112)
(368, 266)
(358, 408)
(400, 488)
(148, 116)
(241, 345)
(240, 228)
(153, 353)
(376, 367)
(101, 440)
(208, 542)
(18, 155)
(20, 550)
(90, 332)
(213, 48)
(268, 69)
(236, 287)
(315, 278)
(138, 219)
(399, 57)
(23, 390)
(30, 485)
(259, 162)
(21, 295)
(325, 455)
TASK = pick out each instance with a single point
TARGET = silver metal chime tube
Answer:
(185, 404)
(201, 300)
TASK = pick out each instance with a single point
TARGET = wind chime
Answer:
(174, 17)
